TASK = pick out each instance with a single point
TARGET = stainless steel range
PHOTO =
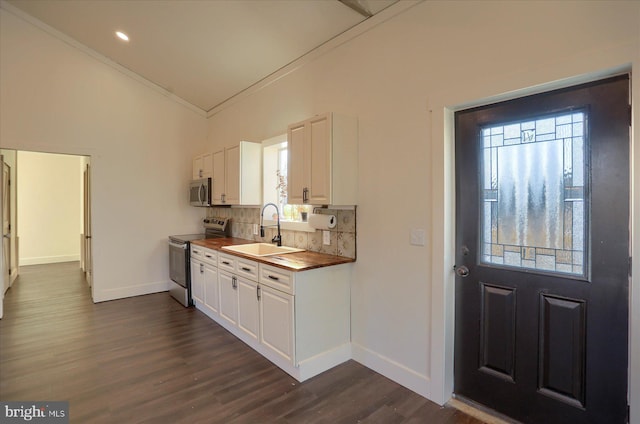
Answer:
(180, 257)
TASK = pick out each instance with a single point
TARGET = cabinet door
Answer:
(232, 175)
(197, 281)
(248, 313)
(211, 289)
(207, 165)
(203, 166)
(219, 183)
(197, 168)
(228, 297)
(276, 322)
(295, 163)
(319, 160)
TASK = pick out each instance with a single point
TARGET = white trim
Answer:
(38, 260)
(634, 286)
(129, 291)
(98, 56)
(393, 370)
(443, 235)
(322, 362)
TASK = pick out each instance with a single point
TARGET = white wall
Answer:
(49, 201)
(56, 98)
(402, 79)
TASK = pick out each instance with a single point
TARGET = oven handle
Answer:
(179, 246)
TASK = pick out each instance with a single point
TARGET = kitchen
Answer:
(401, 79)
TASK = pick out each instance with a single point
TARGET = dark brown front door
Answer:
(542, 238)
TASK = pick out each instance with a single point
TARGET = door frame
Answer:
(90, 160)
(442, 134)
(2, 270)
(86, 248)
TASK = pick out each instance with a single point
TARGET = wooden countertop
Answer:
(297, 261)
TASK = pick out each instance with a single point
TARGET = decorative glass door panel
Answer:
(534, 193)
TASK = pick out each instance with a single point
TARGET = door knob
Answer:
(462, 271)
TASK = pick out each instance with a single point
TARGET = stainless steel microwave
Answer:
(200, 192)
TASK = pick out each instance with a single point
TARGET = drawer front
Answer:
(210, 256)
(197, 252)
(247, 269)
(277, 278)
(227, 262)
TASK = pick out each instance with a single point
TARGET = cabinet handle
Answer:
(201, 268)
(208, 256)
(222, 196)
(197, 252)
(200, 173)
(225, 262)
(234, 282)
(305, 195)
(244, 268)
(258, 292)
(273, 278)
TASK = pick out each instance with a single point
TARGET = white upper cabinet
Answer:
(203, 166)
(237, 175)
(219, 188)
(323, 161)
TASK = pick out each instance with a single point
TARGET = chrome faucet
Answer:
(277, 239)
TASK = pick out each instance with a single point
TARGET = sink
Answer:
(262, 249)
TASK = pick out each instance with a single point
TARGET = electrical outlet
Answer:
(255, 229)
(417, 237)
(326, 238)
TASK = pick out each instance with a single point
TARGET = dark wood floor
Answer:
(149, 360)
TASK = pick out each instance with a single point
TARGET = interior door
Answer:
(542, 238)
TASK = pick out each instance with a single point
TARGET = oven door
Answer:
(178, 263)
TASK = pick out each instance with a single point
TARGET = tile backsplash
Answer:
(343, 236)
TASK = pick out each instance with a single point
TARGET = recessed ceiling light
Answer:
(121, 35)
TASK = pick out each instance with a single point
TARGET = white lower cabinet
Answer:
(204, 280)
(248, 305)
(211, 289)
(300, 321)
(228, 297)
(197, 281)
(276, 322)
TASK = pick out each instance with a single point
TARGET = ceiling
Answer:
(203, 51)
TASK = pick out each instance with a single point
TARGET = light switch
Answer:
(326, 237)
(255, 229)
(417, 237)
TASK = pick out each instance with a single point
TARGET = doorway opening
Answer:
(47, 200)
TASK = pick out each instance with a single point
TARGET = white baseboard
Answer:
(13, 276)
(129, 291)
(326, 360)
(391, 369)
(48, 260)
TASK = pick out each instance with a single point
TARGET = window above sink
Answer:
(274, 156)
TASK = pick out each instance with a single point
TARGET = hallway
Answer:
(148, 359)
